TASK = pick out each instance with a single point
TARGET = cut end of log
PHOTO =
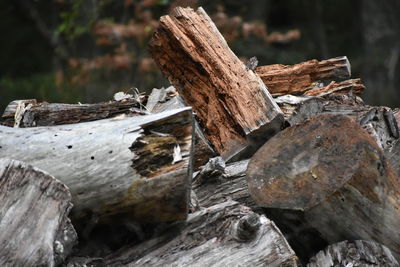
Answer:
(304, 164)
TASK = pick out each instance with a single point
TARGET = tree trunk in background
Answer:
(382, 50)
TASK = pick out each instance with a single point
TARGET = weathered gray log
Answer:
(232, 103)
(167, 99)
(221, 184)
(226, 234)
(133, 168)
(299, 78)
(333, 176)
(354, 253)
(29, 113)
(34, 227)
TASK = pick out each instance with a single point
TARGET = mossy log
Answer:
(331, 175)
(231, 102)
(34, 227)
(124, 168)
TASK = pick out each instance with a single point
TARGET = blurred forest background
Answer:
(86, 50)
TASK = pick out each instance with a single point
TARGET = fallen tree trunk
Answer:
(299, 78)
(354, 253)
(231, 101)
(34, 227)
(29, 113)
(333, 177)
(136, 168)
(226, 234)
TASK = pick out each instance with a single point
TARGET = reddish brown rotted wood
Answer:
(231, 101)
(298, 78)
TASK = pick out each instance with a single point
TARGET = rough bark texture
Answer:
(299, 78)
(354, 253)
(33, 114)
(34, 227)
(231, 101)
(117, 169)
(334, 173)
(226, 234)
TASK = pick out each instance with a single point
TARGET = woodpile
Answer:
(233, 165)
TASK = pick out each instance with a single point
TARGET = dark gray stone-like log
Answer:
(354, 253)
(34, 227)
(132, 168)
(333, 177)
(226, 234)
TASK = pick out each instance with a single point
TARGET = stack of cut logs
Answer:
(232, 165)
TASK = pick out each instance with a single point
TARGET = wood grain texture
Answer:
(45, 114)
(34, 227)
(354, 253)
(226, 234)
(334, 173)
(231, 101)
(299, 78)
(120, 168)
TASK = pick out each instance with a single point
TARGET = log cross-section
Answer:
(231, 101)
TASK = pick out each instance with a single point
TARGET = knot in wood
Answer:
(247, 227)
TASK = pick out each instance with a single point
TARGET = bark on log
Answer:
(226, 234)
(34, 227)
(354, 253)
(334, 173)
(30, 113)
(123, 168)
(299, 78)
(231, 101)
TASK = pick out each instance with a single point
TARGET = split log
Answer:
(333, 176)
(34, 227)
(232, 103)
(135, 168)
(29, 113)
(299, 78)
(167, 99)
(354, 253)
(226, 234)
